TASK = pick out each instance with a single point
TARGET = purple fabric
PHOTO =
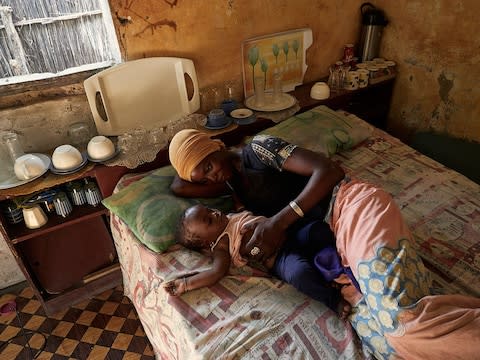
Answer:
(294, 263)
(328, 263)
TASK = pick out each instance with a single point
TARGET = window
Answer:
(47, 38)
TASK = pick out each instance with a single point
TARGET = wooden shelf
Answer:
(19, 232)
(73, 255)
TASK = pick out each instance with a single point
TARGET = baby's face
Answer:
(206, 223)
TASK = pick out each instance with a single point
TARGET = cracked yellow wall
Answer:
(211, 32)
(435, 43)
(437, 47)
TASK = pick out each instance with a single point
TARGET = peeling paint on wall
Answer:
(445, 82)
(414, 62)
(157, 25)
(436, 49)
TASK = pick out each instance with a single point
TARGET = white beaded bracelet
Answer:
(298, 210)
(185, 288)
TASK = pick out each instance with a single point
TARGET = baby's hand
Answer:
(175, 287)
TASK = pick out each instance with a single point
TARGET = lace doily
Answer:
(144, 155)
(141, 146)
(278, 116)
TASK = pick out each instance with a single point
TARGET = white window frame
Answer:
(14, 40)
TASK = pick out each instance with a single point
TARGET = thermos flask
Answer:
(373, 22)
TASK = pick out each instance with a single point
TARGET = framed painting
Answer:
(282, 53)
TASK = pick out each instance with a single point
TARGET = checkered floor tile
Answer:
(105, 327)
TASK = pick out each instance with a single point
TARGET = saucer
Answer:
(110, 157)
(285, 101)
(13, 181)
(204, 123)
(227, 124)
(56, 171)
(243, 116)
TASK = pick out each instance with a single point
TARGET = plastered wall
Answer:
(211, 31)
(435, 44)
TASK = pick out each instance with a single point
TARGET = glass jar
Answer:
(259, 87)
(79, 135)
(277, 88)
(13, 144)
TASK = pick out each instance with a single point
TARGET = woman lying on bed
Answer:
(395, 314)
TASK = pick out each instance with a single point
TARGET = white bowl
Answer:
(100, 147)
(28, 166)
(66, 157)
(320, 91)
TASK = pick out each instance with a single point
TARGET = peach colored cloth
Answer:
(235, 223)
(396, 316)
(188, 148)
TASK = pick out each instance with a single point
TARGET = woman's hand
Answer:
(267, 238)
(175, 287)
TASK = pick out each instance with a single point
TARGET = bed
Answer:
(250, 315)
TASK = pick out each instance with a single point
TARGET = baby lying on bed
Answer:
(204, 228)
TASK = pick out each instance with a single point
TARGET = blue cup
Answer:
(228, 106)
(217, 118)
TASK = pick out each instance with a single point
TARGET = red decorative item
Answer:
(348, 52)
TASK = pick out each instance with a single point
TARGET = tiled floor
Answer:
(106, 327)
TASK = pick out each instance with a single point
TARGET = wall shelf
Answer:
(19, 232)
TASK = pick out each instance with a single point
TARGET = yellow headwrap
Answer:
(188, 148)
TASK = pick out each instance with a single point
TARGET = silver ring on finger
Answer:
(255, 251)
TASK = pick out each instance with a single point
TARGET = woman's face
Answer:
(215, 168)
(207, 224)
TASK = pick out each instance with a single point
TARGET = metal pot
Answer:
(373, 23)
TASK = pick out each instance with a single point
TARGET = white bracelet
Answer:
(298, 210)
(185, 284)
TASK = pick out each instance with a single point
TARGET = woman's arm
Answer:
(187, 189)
(324, 175)
(220, 266)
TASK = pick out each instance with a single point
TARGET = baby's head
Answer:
(200, 226)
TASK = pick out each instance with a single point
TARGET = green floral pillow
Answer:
(151, 210)
(322, 130)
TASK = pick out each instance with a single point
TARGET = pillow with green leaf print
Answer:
(152, 211)
(322, 129)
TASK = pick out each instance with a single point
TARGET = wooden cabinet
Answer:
(70, 258)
